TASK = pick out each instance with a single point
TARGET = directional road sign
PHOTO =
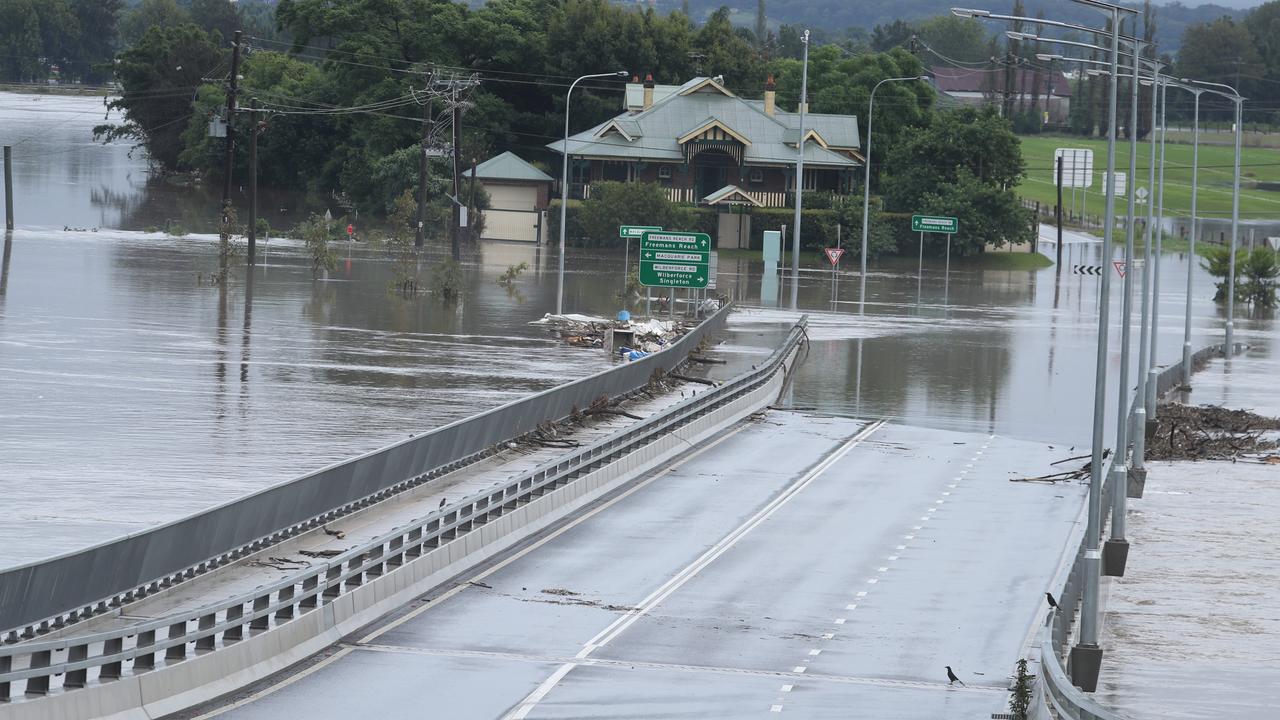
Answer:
(931, 223)
(1086, 269)
(833, 254)
(635, 231)
(674, 259)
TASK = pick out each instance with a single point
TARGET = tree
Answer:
(98, 22)
(159, 76)
(21, 46)
(961, 39)
(151, 14)
(888, 37)
(1222, 51)
(965, 164)
(216, 15)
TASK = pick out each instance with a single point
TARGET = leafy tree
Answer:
(1264, 25)
(98, 22)
(150, 14)
(21, 46)
(729, 54)
(402, 221)
(160, 75)
(1222, 51)
(965, 164)
(216, 15)
(960, 39)
(890, 36)
(1256, 273)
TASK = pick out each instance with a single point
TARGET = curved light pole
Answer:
(1152, 374)
(564, 182)
(866, 184)
(1228, 347)
(795, 229)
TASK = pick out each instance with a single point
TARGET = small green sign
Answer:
(931, 223)
(674, 259)
(635, 231)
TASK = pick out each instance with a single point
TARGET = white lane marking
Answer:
(851, 606)
(872, 581)
(578, 521)
(917, 527)
(828, 636)
(901, 547)
(282, 684)
(908, 537)
(893, 557)
(882, 569)
(839, 621)
(775, 708)
(814, 652)
(617, 627)
(946, 494)
(951, 486)
(862, 593)
(787, 688)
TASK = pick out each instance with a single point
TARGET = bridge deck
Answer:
(807, 565)
(283, 559)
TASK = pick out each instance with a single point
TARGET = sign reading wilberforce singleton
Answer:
(674, 259)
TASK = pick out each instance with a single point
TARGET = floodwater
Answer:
(133, 392)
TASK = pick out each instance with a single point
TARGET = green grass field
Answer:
(1262, 164)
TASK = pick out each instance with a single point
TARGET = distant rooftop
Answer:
(509, 166)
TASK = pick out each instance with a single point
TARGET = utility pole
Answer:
(8, 187)
(231, 130)
(1060, 158)
(471, 205)
(424, 172)
(457, 176)
(252, 230)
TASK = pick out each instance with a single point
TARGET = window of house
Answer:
(757, 175)
(664, 172)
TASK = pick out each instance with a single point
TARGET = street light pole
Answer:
(866, 184)
(1191, 250)
(795, 232)
(564, 182)
(1139, 428)
(1228, 348)
(1152, 374)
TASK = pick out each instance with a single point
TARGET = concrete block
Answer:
(1137, 482)
(1115, 553)
(1084, 665)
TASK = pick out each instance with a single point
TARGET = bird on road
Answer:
(952, 677)
(1052, 603)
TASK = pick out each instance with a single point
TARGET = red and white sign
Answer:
(1119, 264)
(833, 254)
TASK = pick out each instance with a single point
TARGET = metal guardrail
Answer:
(48, 594)
(111, 655)
(1066, 700)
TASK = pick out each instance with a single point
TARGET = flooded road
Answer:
(132, 393)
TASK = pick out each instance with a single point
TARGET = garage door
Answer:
(512, 197)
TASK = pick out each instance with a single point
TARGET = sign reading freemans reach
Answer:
(674, 259)
(931, 223)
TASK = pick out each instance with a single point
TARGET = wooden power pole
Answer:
(231, 132)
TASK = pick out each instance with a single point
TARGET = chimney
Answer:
(770, 96)
(648, 90)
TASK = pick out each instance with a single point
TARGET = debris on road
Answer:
(1209, 432)
(631, 339)
(1079, 473)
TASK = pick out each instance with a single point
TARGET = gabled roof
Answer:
(509, 166)
(709, 124)
(702, 100)
(731, 195)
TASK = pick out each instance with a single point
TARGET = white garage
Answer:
(518, 196)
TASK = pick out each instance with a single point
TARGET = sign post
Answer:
(674, 259)
(933, 224)
(627, 232)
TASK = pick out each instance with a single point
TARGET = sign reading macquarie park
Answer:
(674, 259)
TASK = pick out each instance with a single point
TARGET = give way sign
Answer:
(833, 254)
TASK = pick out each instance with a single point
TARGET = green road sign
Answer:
(931, 223)
(635, 231)
(674, 259)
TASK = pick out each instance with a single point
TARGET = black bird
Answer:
(442, 501)
(952, 677)
(1052, 603)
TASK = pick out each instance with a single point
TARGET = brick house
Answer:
(704, 143)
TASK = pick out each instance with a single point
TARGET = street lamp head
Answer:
(1015, 35)
(1048, 57)
(924, 78)
(1096, 72)
(969, 12)
(621, 73)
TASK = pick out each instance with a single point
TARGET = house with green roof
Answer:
(518, 198)
(706, 145)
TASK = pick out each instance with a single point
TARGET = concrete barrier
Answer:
(371, 580)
